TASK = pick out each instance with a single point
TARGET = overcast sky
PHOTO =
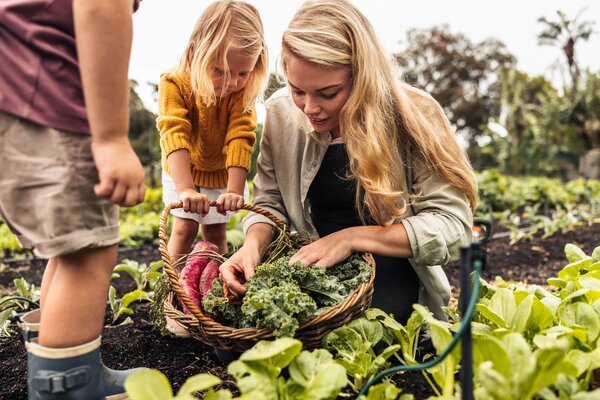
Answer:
(162, 28)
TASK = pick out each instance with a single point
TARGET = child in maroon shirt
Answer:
(66, 165)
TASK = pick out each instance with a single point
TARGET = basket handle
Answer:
(168, 267)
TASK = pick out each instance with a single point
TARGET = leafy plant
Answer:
(353, 346)
(151, 384)
(313, 375)
(280, 297)
(142, 274)
(5, 321)
(121, 307)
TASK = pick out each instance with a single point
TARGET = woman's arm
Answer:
(238, 269)
(389, 241)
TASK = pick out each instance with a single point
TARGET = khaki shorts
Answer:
(46, 190)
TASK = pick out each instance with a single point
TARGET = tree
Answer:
(565, 34)
(143, 133)
(464, 77)
(276, 82)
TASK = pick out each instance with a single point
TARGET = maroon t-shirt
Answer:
(39, 70)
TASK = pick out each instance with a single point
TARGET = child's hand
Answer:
(120, 173)
(194, 202)
(229, 201)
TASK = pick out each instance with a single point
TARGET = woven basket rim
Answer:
(209, 331)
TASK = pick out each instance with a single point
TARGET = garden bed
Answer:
(138, 344)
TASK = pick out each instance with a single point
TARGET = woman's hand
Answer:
(238, 269)
(325, 252)
(194, 202)
(229, 201)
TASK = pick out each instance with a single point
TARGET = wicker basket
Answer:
(212, 333)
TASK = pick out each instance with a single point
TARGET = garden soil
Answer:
(139, 344)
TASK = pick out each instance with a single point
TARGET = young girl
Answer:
(207, 120)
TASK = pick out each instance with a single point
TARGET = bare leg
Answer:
(216, 234)
(46, 279)
(183, 233)
(75, 299)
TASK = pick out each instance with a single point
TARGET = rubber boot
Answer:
(113, 380)
(29, 323)
(71, 373)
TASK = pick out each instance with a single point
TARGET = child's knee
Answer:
(214, 233)
(185, 228)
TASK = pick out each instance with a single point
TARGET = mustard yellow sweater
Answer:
(216, 137)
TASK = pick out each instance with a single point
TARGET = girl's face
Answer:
(240, 67)
(319, 92)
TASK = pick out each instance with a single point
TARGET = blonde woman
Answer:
(207, 119)
(360, 160)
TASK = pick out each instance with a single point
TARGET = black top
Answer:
(332, 198)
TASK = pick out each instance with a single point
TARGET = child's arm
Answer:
(233, 200)
(179, 166)
(103, 35)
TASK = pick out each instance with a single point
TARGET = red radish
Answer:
(211, 272)
(189, 277)
(205, 246)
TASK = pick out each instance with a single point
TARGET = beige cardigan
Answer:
(438, 221)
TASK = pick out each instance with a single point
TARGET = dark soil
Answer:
(139, 344)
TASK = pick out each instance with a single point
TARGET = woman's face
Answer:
(319, 92)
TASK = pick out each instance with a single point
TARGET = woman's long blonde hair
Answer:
(224, 25)
(381, 125)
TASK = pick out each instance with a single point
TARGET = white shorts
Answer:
(213, 217)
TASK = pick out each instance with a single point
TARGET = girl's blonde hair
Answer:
(380, 124)
(224, 25)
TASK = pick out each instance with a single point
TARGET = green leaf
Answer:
(220, 395)
(315, 376)
(4, 321)
(136, 295)
(589, 282)
(235, 237)
(278, 353)
(370, 331)
(596, 254)
(518, 320)
(148, 384)
(112, 299)
(556, 282)
(580, 359)
(581, 315)
(593, 395)
(382, 391)
(255, 379)
(574, 253)
(503, 304)
(490, 315)
(571, 271)
(195, 384)
(491, 349)
(549, 363)
(490, 383)
(522, 365)
(344, 342)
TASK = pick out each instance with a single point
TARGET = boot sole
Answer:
(120, 396)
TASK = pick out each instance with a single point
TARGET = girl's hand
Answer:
(238, 269)
(229, 201)
(194, 202)
(325, 252)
